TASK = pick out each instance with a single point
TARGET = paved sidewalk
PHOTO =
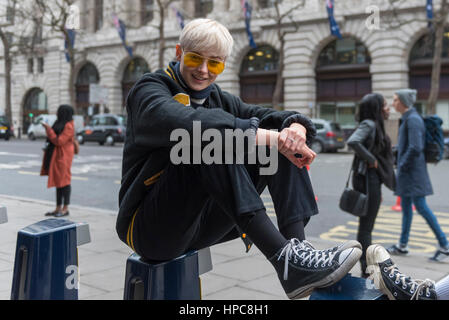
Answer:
(235, 275)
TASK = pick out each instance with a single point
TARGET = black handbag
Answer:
(353, 201)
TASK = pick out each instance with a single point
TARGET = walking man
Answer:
(413, 182)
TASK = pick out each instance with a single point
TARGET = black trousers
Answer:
(192, 207)
(63, 195)
(366, 223)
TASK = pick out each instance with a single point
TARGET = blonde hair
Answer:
(207, 35)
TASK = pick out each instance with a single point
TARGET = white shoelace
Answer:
(293, 250)
(416, 285)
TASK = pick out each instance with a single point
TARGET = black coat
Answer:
(156, 106)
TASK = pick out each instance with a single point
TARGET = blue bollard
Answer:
(46, 261)
(349, 288)
(177, 279)
(3, 215)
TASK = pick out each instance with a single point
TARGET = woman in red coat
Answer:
(58, 159)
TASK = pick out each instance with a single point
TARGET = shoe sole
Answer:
(331, 279)
(375, 272)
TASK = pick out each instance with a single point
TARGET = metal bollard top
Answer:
(55, 225)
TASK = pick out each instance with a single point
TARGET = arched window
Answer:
(258, 75)
(343, 78)
(35, 104)
(86, 76)
(135, 69)
(147, 11)
(421, 63)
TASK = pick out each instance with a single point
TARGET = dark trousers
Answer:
(63, 195)
(366, 223)
(192, 207)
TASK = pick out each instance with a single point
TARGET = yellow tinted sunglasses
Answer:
(194, 60)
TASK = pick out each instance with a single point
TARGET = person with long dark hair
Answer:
(373, 164)
(58, 158)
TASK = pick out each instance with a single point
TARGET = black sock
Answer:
(264, 234)
(294, 230)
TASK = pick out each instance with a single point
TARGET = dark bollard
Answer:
(46, 261)
(349, 288)
(177, 279)
(3, 215)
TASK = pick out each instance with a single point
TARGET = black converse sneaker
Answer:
(398, 250)
(440, 255)
(301, 268)
(396, 285)
(340, 247)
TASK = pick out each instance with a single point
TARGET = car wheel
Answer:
(109, 141)
(31, 137)
(80, 139)
(446, 152)
(317, 147)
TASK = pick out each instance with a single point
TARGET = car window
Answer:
(110, 121)
(335, 127)
(37, 120)
(319, 126)
(93, 122)
(122, 120)
(3, 120)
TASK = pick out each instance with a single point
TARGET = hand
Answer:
(375, 165)
(45, 125)
(292, 144)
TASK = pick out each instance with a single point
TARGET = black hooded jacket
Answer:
(157, 105)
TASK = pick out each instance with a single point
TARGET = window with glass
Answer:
(87, 75)
(147, 11)
(263, 58)
(203, 7)
(424, 47)
(135, 70)
(344, 51)
(258, 76)
(265, 3)
(31, 65)
(36, 100)
(98, 14)
(40, 65)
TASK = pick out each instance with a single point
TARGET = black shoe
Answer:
(62, 214)
(50, 214)
(396, 285)
(397, 250)
(441, 255)
(301, 269)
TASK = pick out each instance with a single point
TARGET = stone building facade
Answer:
(324, 77)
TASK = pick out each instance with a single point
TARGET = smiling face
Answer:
(197, 78)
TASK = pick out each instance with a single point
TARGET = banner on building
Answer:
(70, 36)
(121, 29)
(429, 9)
(179, 16)
(247, 12)
(335, 29)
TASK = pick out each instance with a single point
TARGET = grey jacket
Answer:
(362, 141)
(412, 176)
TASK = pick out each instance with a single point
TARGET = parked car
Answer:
(330, 137)
(6, 130)
(36, 130)
(104, 129)
(446, 148)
